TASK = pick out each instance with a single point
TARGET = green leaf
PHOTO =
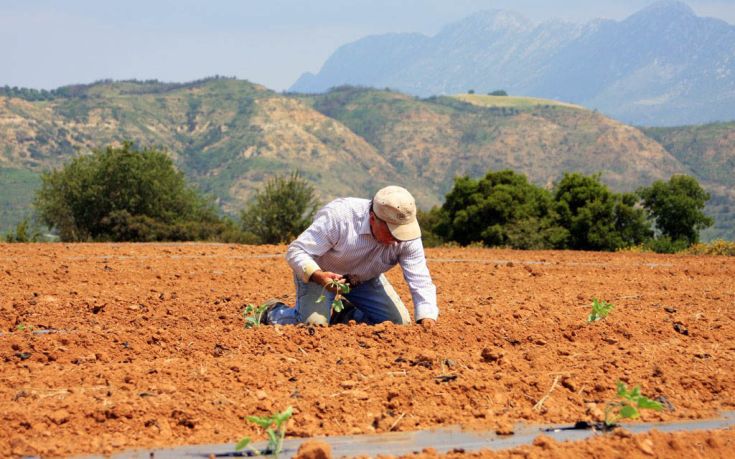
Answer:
(242, 444)
(648, 404)
(283, 416)
(262, 422)
(338, 306)
(635, 393)
(320, 299)
(629, 412)
(622, 391)
(344, 288)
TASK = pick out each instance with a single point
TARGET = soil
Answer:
(619, 444)
(145, 346)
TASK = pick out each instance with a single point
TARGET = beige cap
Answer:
(396, 207)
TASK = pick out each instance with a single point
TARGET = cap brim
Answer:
(407, 232)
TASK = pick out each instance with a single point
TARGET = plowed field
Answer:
(147, 345)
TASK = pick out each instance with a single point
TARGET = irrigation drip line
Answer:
(442, 440)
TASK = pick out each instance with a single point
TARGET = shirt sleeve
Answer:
(418, 278)
(316, 240)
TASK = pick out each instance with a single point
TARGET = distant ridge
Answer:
(662, 66)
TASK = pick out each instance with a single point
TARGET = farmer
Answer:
(355, 241)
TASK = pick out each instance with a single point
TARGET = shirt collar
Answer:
(365, 224)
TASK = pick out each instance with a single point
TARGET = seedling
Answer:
(627, 407)
(600, 310)
(342, 288)
(275, 429)
(21, 327)
(254, 314)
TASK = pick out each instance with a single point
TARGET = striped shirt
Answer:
(339, 240)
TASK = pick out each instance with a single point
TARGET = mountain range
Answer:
(662, 66)
(228, 136)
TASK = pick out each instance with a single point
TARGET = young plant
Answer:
(254, 315)
(600, 310)
(275, 429)
(342, 288)
(627, 407)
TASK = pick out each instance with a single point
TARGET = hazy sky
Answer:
(50, 43)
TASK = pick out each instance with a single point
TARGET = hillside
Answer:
(662, 66)
(228, 136)
(436, 139)
(709, 152)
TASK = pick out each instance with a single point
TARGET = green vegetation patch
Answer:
(512, 101)
(16, 197)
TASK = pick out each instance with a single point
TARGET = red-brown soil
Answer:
(620, 444)
(151, 349)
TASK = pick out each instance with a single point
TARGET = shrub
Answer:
(281, 210)
(677, 207)
(502, 208)
(123, 194)
(597, 218)
(718, 247)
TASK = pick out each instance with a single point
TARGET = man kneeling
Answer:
(356, 241)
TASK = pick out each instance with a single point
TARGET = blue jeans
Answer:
(375, 301)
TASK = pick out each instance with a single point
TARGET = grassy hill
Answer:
(512, 101)
(433, 140)
(228, 136)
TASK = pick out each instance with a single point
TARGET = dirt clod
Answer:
(314, 449)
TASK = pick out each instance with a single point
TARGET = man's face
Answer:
(380, 230)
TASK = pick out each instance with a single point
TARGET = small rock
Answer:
(348, 384)
(544, 442)
(360, 394)
(504, 427)
(681, 328)
(622, 433)
(59, 417)
(261, 394)
(491, 355)
(646, 445)
(314, 449)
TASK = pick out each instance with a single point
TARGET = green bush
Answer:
(502, 208)
(597, 218)
(123, 194)
(281, 210)
(677, 207)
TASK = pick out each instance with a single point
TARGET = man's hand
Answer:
(323, 277)
(427, 323)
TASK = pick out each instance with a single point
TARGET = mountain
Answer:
(661, 66)
(229, 136)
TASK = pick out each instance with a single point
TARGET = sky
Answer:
(51, 43)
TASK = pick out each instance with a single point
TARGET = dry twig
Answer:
(540, 403)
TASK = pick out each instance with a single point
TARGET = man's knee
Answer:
(315, 319)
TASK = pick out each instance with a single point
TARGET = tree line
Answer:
(128, 194)
(580, 213)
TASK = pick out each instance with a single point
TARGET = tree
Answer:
(499, 92)
(281, 210)
(597, 218)
(502, 208)
(123, 194)
(677, 208)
